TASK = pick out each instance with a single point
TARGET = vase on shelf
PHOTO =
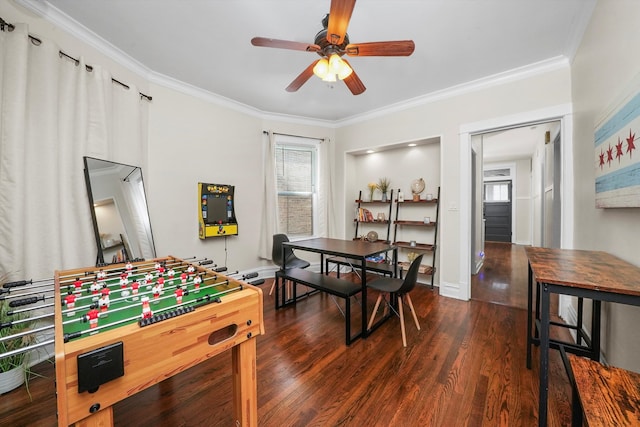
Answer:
(384, 196)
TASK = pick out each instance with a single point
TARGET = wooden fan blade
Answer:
(302, 78)
(353, 82)
(339, 17)
(284, 44)
(391, 48)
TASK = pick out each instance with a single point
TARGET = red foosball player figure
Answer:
(183, 278)
(92, 317)
(196, 283)
(78, 285)
(135, 286)
(146, 309)
(161, 270)
(179, 292)
(161, 284)
(70, 302)
(103, 303)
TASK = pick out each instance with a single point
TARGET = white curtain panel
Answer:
(327, 215)
(52, 113)
(269, 223)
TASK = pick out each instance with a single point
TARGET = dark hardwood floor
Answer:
(465, 367)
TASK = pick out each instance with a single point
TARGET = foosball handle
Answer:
(257, 282)
(220, 269)
(250, 275)
(25, 301)
(69, 337)
(206, 262)
(17, 283)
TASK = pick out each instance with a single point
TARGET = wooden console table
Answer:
(595, 275)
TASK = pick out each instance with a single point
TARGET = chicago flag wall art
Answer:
(617, 160)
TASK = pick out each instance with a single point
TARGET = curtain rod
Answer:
(36, 41)
(265, 132)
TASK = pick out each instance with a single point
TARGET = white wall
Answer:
(605, 63)
(401, 166)
(445, 117)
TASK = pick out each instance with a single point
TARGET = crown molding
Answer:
(76, 29)
(512, 75)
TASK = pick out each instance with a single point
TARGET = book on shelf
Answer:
(365, 215)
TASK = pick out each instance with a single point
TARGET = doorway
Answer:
(520, 173)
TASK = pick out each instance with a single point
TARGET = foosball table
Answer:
(125, 327)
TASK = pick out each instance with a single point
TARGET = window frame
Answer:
(302, 144)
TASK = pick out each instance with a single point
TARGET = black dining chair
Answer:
(401, 289)
(278, 257)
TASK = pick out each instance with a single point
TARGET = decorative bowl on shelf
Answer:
(372, 236)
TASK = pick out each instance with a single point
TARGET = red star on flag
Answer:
(630, 145)
(610, 155)
(601, 159)
(619, 152)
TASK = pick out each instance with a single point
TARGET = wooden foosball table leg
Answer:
(245, 385)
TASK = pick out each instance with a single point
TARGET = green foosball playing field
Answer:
(145, 294)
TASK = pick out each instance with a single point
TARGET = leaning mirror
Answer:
(119, 211)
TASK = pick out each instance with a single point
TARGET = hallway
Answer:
(503, 277)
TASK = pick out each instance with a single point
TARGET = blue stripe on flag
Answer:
(625, 115)
(626, 177)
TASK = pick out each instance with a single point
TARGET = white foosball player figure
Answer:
(103, 302)
(129, 267)
(196, 283)
(101, 276)
(156, 292)
(191, 269)
(95, 289)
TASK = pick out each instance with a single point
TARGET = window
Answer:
(296, 174)
(498, 191)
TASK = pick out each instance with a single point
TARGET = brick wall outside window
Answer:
(295, 180)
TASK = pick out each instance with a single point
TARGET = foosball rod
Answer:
(24, 310)
(26, 284)
(27, 320)
(21, 294)
(117, 271)
(24, 333)
(26, 349)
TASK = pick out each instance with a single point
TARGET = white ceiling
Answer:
(206, 44)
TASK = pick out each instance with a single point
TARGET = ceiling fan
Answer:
(331, 44)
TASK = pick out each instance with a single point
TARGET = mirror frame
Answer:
(90, 193)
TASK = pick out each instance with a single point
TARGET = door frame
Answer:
(563, 113)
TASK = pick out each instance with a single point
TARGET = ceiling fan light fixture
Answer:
(321, 69)
(330, 77)
(345, 71)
